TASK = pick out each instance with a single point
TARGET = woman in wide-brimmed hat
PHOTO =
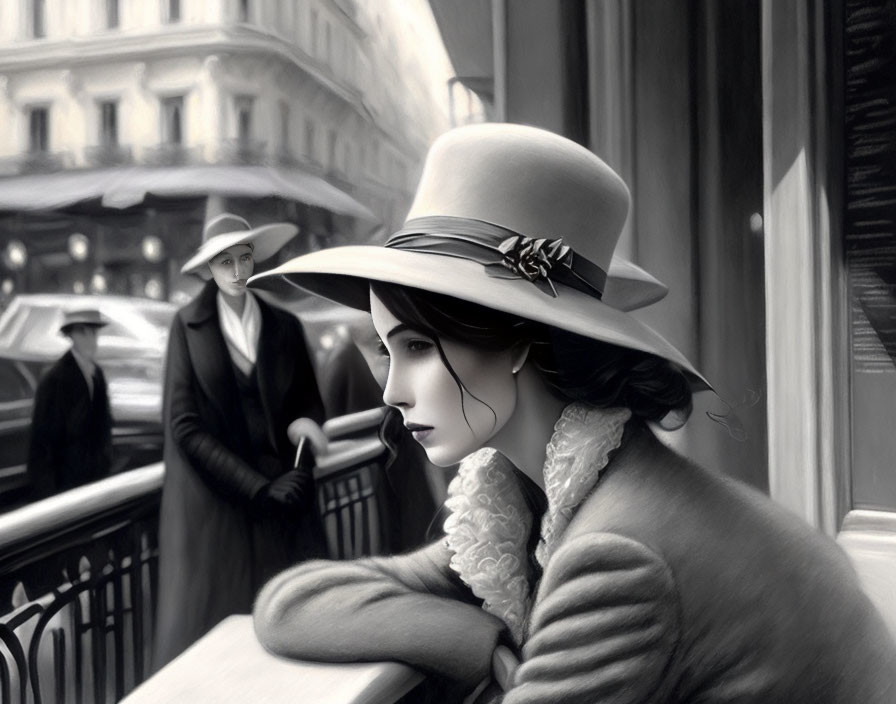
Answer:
(610, 568)
(234, 511)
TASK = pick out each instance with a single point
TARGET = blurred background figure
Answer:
(71, 428)
(234, 510)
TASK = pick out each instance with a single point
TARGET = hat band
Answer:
(505, 254)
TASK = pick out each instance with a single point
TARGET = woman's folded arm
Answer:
(409, 608)
(604, 629)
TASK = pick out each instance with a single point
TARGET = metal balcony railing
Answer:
(242, 151)
(78, 571)
(44, 162)
(170, 154)
(108, 155)
(77, 587)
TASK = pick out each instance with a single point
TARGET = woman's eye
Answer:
(381, 349)
(246, 257)
(227, 262)
(418, 345)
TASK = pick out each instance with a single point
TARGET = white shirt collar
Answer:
(87, 368)
(241, 333)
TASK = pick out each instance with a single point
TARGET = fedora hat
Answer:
(88, 316)
(226, 230)
(514, 218)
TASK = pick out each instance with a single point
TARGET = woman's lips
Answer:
(420, 432)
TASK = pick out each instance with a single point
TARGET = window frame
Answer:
(104, 139)
(178, 104)
(32, 111)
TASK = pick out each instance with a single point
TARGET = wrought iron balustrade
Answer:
(77, 587)
(44, 162)
(172, 154)
(108, 155)
(243, 151)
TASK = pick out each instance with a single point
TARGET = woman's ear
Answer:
(520, 355)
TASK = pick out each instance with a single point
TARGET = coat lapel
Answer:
(211, 363)
(273, 378)
(75, 377)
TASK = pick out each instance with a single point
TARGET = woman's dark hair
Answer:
(577, 368)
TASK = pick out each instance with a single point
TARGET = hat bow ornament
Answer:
(504, 254)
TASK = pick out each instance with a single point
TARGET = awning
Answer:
(123, 187)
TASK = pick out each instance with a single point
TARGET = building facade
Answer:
(316, 92)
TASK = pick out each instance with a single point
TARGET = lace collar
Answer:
(490, 522)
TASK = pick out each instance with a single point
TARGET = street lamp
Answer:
(98, 283)
(15, 256)
(153, 248)
(78, 246)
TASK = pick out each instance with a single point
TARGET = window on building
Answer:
(309, 139)
(38, 17)
(172, 11)
(284, 126)
(243, 105)
(109, 123)
(243, 10)
(112, 14)
(39, 130)
(172, 120)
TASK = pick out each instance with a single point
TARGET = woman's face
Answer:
(232, 268)
(447, 421)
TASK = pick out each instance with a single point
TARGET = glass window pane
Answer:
(870, 228)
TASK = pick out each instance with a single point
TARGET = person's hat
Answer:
(89, 317)
(227, 230)
(514, 218)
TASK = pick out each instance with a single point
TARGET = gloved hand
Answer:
(288, 489)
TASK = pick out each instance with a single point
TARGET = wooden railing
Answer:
(77, 591)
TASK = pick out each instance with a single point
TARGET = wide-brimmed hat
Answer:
(227, 230)
(88, 316)
(510, 217)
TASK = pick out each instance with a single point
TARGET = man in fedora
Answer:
(71, 427)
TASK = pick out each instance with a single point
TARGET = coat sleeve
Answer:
(47, 438)
(218, 466)
(410, 608)
(604, 629)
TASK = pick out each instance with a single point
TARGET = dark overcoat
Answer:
(216, 547)
(71, 432)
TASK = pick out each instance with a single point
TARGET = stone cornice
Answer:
(166, 42)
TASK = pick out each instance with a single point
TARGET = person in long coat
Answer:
(583, 560)
(234, 509)
(71, 426)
